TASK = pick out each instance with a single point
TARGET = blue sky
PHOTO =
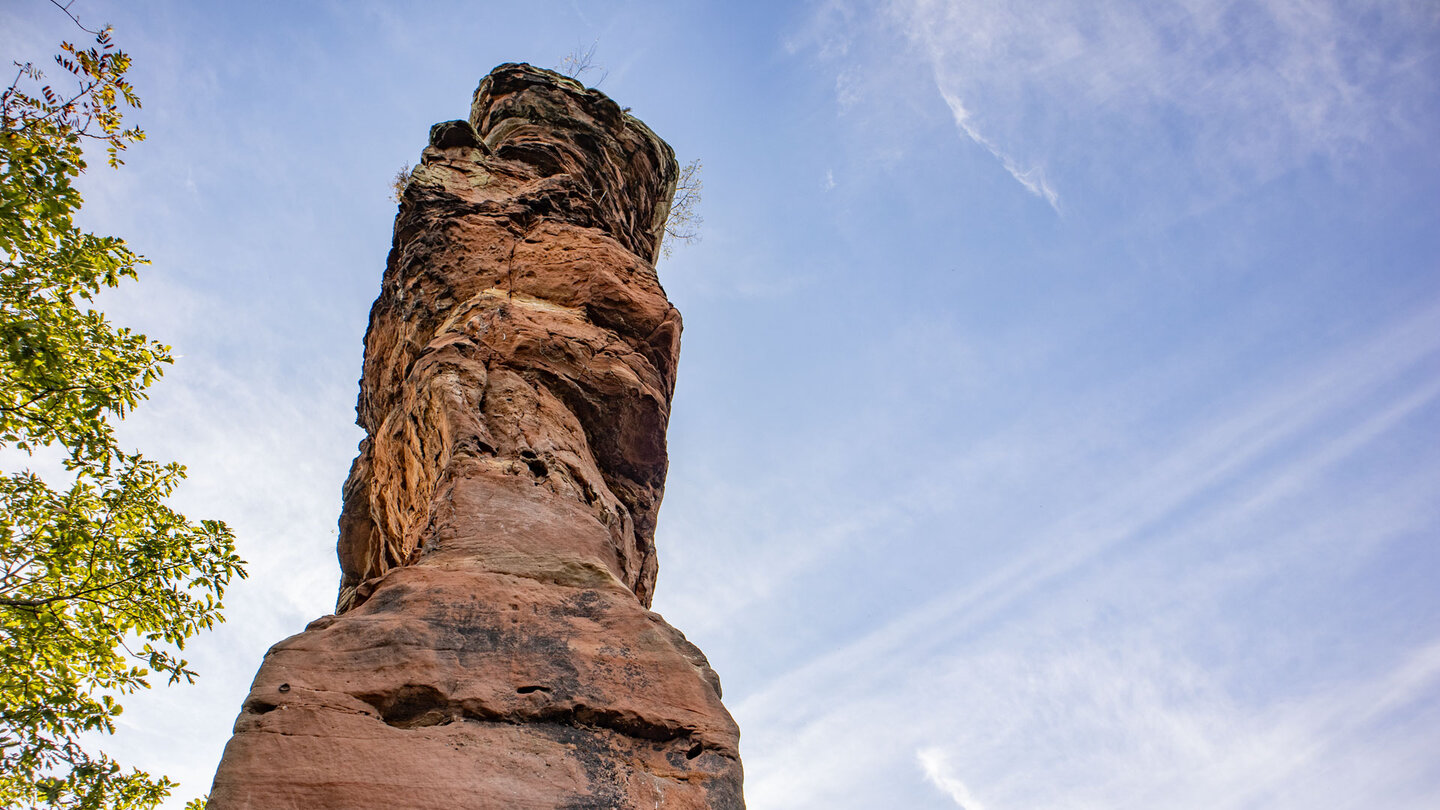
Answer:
(1059, 404)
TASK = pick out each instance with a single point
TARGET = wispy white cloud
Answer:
(1064, 682)
(1216, 452)
(938, 772)
(1033, 178)
(827, 30)
(1183, 97)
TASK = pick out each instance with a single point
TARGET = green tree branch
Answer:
(101, 582)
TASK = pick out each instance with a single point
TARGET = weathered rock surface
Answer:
(492, 645)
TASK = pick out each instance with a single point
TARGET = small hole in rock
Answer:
(538, 468)
(527, 453)
(284, 687)
(694, 751)
(525, 690)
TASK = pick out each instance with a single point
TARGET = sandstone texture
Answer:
(492, 645)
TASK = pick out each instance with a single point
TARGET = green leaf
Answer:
(95, 561)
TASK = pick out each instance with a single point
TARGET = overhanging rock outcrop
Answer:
(492, 645)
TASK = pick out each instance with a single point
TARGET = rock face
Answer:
(492, 645)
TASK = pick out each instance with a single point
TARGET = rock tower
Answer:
(492, 645)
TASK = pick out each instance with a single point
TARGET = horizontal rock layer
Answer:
(492, 644)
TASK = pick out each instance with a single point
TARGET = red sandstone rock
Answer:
(492, 646)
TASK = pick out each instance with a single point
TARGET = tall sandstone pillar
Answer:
(492, 645)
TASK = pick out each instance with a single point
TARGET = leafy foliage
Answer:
(100, 581)
(684, 221)
(399, 182)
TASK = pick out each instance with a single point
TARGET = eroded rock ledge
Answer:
(492, 645)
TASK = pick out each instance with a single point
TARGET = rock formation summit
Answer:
(492, 645)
